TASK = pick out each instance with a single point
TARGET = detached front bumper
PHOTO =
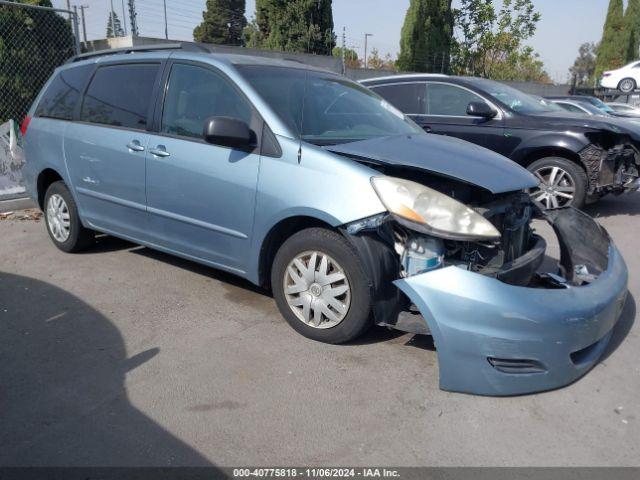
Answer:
(493, 338)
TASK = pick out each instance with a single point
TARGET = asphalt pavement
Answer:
(126, 356)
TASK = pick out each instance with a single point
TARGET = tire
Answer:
(341, 259)
(627, 85)
(70, 238)
(574, 175)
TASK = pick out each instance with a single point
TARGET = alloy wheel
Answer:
(557, 187)
(627, 85)
(317, 289)
(58, 218)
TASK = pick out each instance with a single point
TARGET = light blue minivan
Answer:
(312, 186)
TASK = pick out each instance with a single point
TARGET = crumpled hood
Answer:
(445, 156)
(617, 125)
(567, 119)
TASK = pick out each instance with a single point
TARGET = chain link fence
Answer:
(34, 40)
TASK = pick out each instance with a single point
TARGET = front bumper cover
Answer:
(484, 330)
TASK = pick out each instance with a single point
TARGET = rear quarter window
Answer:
(120, 95)
(63, 93)
(409, 98)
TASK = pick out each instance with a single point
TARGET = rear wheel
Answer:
(627, 85)
(562, 183)
(320, 286)
(62, 220)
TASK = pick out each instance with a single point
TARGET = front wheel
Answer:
(562, 183)
(627, 85)
(320, 286)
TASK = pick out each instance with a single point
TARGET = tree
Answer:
(32, 44)
(350, 57)
(252, 36)
(296, 25)
(615, 43)
(114, 27)
(490, 44)
(223, 22)
(426, 37)
(632, 26)
(376, 62)
(584, 66)
(523, 65)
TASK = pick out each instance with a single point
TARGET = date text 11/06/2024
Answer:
(316, 472)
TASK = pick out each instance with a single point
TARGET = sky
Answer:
(564, 26)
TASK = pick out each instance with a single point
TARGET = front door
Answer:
(201, 197)
(105, 150)
(446, 114)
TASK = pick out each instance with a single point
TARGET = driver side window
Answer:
(195, 94)
(449, 100)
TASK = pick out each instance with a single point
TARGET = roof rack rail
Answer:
(191, 47)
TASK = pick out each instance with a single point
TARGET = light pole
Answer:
(124, 19)
(113, 21)
(84, 24)
(366, 37)
(166, 28)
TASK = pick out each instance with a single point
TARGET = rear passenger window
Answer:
(62, 94)
(449, 100)
(120, 95)
(195, 94)
(408, 97)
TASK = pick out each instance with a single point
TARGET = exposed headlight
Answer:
(438, 214)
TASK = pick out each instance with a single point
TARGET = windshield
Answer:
(548, 104)
(511, 97)
(336, 110)
(592, 108)
(600, 105)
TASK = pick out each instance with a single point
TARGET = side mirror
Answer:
(228, 132)
(481, 109)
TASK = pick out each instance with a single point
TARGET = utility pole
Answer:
(132, 18)
(124, 19)
(84, 24)
(344, 47)
(366, 37)
(166, 28)
(113, 22)
(69, 8)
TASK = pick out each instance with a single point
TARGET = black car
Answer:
(578, 159)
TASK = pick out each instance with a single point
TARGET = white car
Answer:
(624, 108)
(625, 79)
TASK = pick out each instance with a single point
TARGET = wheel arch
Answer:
(628, 77)
(45, 178)
(547, 152)
(277, 235)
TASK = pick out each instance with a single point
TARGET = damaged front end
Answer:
(499, 324)
(612, 163)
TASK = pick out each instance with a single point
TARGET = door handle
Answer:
(427, 128)
(159, 151)
(135, 146)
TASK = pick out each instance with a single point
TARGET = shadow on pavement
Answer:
(107, 243)
(62, 394)
(610, 206)
(201, 269)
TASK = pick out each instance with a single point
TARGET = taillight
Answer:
(606, 74)
(25, 125)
